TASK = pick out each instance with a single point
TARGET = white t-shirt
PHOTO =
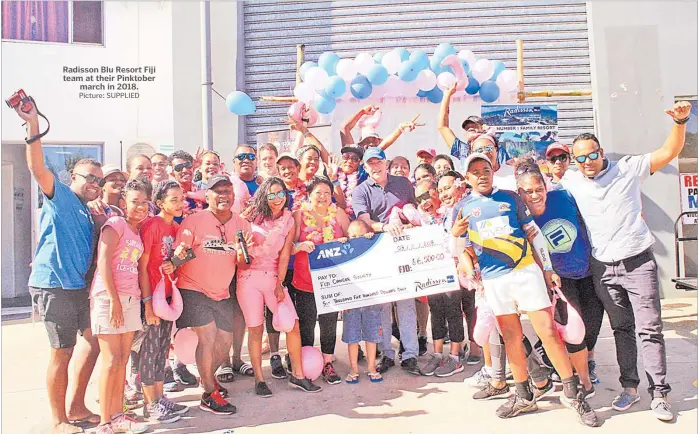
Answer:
(611, 205)
(504, 178)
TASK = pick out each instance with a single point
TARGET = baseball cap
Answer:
(556, 147)
(217, 179)
(475, 156)
(472, 120)
(355, 149)
(287, 155)
(374, 152)
(108, 169)
(430, 151)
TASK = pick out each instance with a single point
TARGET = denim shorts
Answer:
(362, 324)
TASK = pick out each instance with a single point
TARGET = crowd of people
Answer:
(234, 246)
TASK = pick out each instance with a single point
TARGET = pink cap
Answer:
(556, 147)
(430, 151)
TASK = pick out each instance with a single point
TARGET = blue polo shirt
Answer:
(496, 232)
(564, 230)
(66, 241)
(370, 197)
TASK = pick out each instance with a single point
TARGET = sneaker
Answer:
(545, 390)
(624, 401)
(585, 414)
(422, 345)
(156, 412)
(516, 405)
(661, 409)
(449, 367)
(173, 406)
(479, 379)
(182, 375)
(222, 390)
(555, 377)
(134, 380)
(171, 385)
(385, 364)
(214, 403)
(411, 366)
(588, 393)
(262, 389)
(125, 424)
(473, 360)
(592, 372)
(488, 391)
(277, 368)
(132, 401)
(104, 429)
(329, 374)
(289, 369)
(433, 363)
(303, 384)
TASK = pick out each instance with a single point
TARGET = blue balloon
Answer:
(335, 87)
(328, 61)
(408, 71)
(422, 93)
(466, 66)
(473, 85)
(435, 65)
(305, 67)
(378, 57)
(420, 59)
(323, 103)
(498, 68)
(489, 91)
(377, 75)
(444, 50)
(360, 87)
(239, 103)
(404, 54)
(435, 95)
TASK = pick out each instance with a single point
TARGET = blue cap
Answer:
(374, 152)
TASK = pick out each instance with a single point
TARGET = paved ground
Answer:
(402, 403)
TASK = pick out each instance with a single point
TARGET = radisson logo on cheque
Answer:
(430, 283)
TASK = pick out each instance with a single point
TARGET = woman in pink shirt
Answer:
(273, 231)
(115, 307)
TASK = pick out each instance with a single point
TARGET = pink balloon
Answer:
(371, 121)
(185, 343)
(301, 112)
(484, 324)
(283, 319)
(294, 112)
(453, 61)
(573, 332)
(311, 359)
(168, 312)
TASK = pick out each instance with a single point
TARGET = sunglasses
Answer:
(562, 158)
(280, 194)
(353, 157)
(582, 158)
(526, 169)
(91, 179)
(181, 166)
(422, 197)
(484, 149)
(243, 157)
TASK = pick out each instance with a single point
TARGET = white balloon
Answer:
(346, 69)
(426, 79)
(483, 70)
(304, 92)
(507, 81)
(468, 56)
(392, 62)
(316, 77)
(364, 62)
(446, 80)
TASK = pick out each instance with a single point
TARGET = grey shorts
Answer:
(199, 310)
(362, 324)
(65, 313)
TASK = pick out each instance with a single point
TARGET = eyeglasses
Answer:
(582, 158)
(353, 157)
(91, 179)
(562, 158)
(243, 157)
(422, 197)
(221, 230)
(181, 166)
(484, 149)
(280, 194)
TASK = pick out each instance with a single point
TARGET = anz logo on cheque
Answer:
(335, 252)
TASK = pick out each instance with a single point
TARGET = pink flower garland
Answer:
(348, 183)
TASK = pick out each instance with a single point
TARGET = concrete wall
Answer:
(643, 54)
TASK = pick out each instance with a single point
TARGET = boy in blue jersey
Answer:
(504, 236)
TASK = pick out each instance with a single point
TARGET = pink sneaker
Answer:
(125, 424)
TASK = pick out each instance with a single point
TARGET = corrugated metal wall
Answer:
(556, 44)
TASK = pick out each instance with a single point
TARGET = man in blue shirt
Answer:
(245, 165)
(57, 280)
(503, 235)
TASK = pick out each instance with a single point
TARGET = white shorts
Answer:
(99, 315)
(518, 291)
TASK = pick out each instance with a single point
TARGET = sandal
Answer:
(225, 374)
(244, 369)
(92, 419)
(352, 378)
(375, 377)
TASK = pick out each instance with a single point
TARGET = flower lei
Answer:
(300, 196)
(348, 183)
(311, 226)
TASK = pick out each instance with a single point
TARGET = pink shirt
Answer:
(212, 270)
(269, 239)
(124, 263)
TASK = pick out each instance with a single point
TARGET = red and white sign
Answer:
(689, 197)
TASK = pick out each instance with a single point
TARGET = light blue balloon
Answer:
(240, 103)
(360, 87)
(473, 85)
(404, 54)
(377, 75)
(420, 59)
(498, 68)
(435, 95)
(305, 67)
(435, 65)
(408, 71)
(489, 91)
(378, 57)
(466, 66)
(324, 103)
(328, 61)
(444, 50)
(335, 87)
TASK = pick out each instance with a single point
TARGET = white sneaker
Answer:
(661, 409)
(125, 424)
(480, 379)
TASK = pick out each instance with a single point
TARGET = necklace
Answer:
(312, 229)
(348, 183)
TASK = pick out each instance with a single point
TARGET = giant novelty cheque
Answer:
(364, 272)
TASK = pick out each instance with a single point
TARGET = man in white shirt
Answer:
(609, 198)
